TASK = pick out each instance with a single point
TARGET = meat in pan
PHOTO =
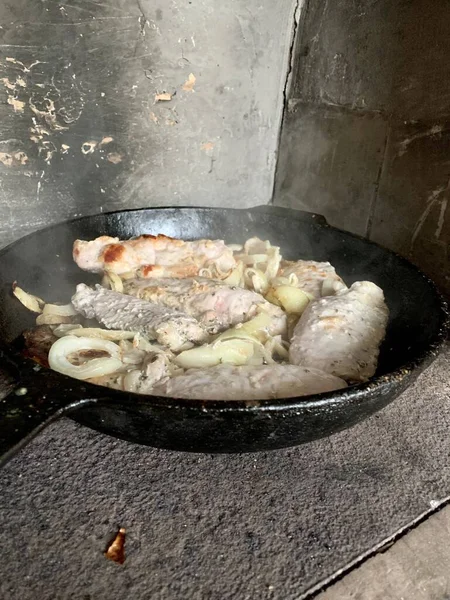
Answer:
(315, 278)
(238, 305)
(117, 311)
(161, 256)
(215, 304)
(341, 334)
(225, 382)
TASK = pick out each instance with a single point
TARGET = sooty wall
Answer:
(122, 104)
(366, 133)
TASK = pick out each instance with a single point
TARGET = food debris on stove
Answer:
(116, 549)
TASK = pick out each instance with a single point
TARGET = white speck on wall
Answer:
(441, 218)
(88, 147)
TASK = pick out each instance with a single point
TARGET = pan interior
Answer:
(42, 264)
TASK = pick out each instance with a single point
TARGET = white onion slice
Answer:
(115, 281)
(205, 272)
(273, 262)
(50, 319)
(97, 367)
(281, 281)
(256, 246)
(33, 303)
(60, 310)
(235, 247)
(331, 287)
(256, 329)
(236, 278)
(65, 329)
(234, 352)
(252, 259)
(114, 335)
(258, 280)
(292, 299)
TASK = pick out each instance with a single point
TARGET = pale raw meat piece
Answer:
(311, 276)
(341, 334)
(215, 304)
(169, 327)
(226, 382)
(157, 256)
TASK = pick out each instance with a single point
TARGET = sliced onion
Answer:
(236, 278)
(235, 352)
(256, 246)
(235, 247)
(292, 299)
(97, 367)
(293, 279)
(271, 297)
(105, 282)
(331, 287)
(65, 329)
(115, 281)
(143, 343)
(50, 319)
(133, 357)
(128, 275)
(258, 280)
(255, 329)
(273, 262)
(274, 346)
(257, 325)
(60, 310)
(276, 281)
(33, 303)
(114, 335)
(205, 272)
(252, 259)
(233, 334)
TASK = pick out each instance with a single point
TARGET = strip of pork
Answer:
(341, 334)
(159, 256)
(226, 382)
(311, 276)
(169, 327)
(215, 304)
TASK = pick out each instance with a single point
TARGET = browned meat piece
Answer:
(38, 342)
(160, 256)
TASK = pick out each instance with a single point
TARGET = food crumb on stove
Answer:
(116, 548)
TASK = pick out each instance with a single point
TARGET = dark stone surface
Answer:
(266, 525)
(345, 53)
(375, 55)
(81, 131)
(329, 163)
(411, 212)
(381, 69)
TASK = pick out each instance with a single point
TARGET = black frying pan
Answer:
(42, 264)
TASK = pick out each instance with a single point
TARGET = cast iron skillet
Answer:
(42, 264)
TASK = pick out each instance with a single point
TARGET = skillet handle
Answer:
(298, 215)
(40, 397)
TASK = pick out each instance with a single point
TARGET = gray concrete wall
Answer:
(366, 137)
(118, 104)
